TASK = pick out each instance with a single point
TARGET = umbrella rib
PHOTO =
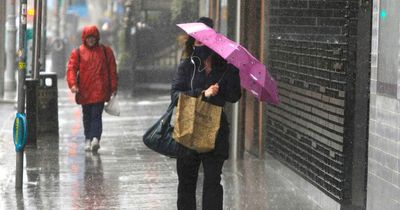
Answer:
(254, 92)
(254, 77)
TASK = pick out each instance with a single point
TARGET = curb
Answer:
(7, 101)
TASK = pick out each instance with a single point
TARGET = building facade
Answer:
(383, 187)
(337, 125)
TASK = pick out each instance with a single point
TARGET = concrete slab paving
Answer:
(125, 174)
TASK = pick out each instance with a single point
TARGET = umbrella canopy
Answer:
(254, 76)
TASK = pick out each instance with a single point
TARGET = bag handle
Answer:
(174, 101)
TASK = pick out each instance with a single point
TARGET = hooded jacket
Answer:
(96, 67)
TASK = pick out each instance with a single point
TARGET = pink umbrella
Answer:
(254, 76)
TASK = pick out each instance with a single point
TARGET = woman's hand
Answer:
(212, 90)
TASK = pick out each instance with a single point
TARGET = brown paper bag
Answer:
(196, 123)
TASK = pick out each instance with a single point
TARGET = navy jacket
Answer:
(228, 80)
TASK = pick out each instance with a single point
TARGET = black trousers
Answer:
(188, 168)
(92, 120)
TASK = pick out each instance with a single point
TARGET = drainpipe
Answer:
(236, 150)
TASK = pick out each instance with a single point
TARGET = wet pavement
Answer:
(125, 174)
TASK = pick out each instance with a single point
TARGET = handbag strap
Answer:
(174, 101)
(79, 62)
(168, 114)
(108, 66)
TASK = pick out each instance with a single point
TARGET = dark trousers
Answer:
(187, 169)
(92, 120)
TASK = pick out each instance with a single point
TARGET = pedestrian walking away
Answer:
(92, 77)
(202, 72)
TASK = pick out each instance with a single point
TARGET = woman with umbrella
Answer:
(202, 71)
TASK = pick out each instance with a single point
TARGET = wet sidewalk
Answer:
(125, 174)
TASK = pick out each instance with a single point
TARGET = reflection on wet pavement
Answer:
(125, 174)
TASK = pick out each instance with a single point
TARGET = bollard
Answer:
(31, 110)
(47, 102)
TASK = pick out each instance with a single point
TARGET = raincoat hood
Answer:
(90, 31)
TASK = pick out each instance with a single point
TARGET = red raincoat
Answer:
(97, 76)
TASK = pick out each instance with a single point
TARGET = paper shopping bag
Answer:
(196, 123)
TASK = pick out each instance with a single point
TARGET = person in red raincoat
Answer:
(92, 76)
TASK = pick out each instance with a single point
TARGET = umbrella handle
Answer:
(222, 77)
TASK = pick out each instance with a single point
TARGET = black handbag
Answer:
(159, 136)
